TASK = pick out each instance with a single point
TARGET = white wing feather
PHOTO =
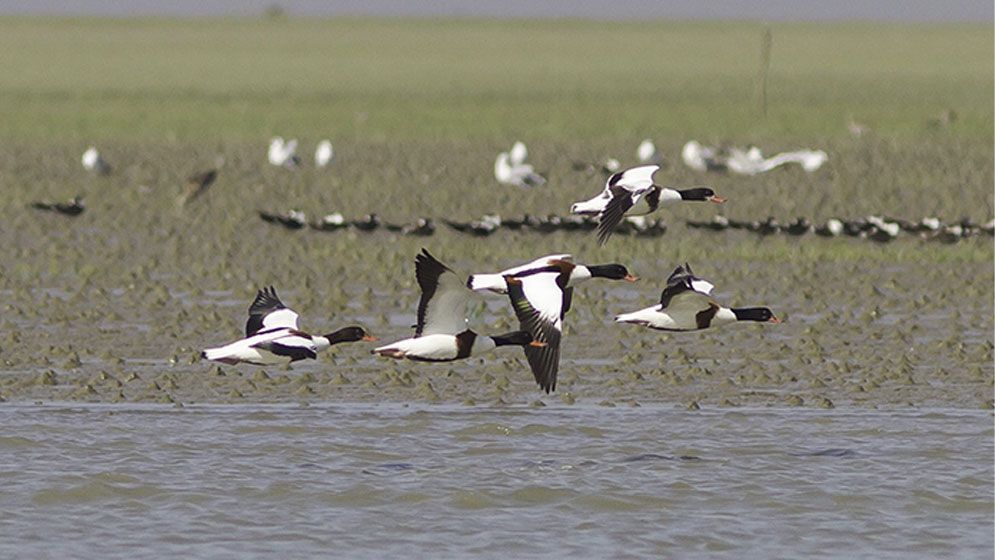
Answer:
(638, 179)
(538, 263)
(519, 153)
(446, 311)
(281, 318)
(703, 286)
(545, 296)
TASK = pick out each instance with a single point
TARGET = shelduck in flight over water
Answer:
(272, 336)
(495, 282)
(441, 333)
(685, 305)
(540, 302)
(632, 187)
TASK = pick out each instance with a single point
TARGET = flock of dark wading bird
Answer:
(540, 292)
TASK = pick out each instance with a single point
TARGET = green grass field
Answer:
(228, 80)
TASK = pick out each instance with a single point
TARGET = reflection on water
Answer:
(376, 481)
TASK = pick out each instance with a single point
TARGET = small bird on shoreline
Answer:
(510, 168)
(72, 207)
(198, 183)
(92, 161)
(292, 219)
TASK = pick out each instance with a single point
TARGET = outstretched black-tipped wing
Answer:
(543, 323)
(625, 188)
(442, 306)
(681, 281)
(620, 202)
(268, 312)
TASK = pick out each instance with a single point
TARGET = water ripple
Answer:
(439, 481)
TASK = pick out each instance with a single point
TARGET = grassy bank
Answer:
(196, 80)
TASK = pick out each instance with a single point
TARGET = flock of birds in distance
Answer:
(541, 291)
(512, 168)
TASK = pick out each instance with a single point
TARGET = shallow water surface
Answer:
(374, 481)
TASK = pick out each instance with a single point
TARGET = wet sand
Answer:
(116, 304)
(89, 318)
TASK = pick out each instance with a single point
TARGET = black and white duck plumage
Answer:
(272, 336)
(441, 332)
(686, 305)
(631, 189)
(495, 283)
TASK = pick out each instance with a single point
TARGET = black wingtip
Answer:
(266, 299)
(603, 234)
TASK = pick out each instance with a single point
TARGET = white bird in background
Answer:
(283, 153)
(810, 160)
(94, 162)
(752, 162)
(519, 153)
(701, 158)
(647, 152)
(510, 168)
(324, 153)
(749, 161)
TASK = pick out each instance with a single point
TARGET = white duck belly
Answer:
(247, 350)
(431, 347)
(674, 320)
(242, 351)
